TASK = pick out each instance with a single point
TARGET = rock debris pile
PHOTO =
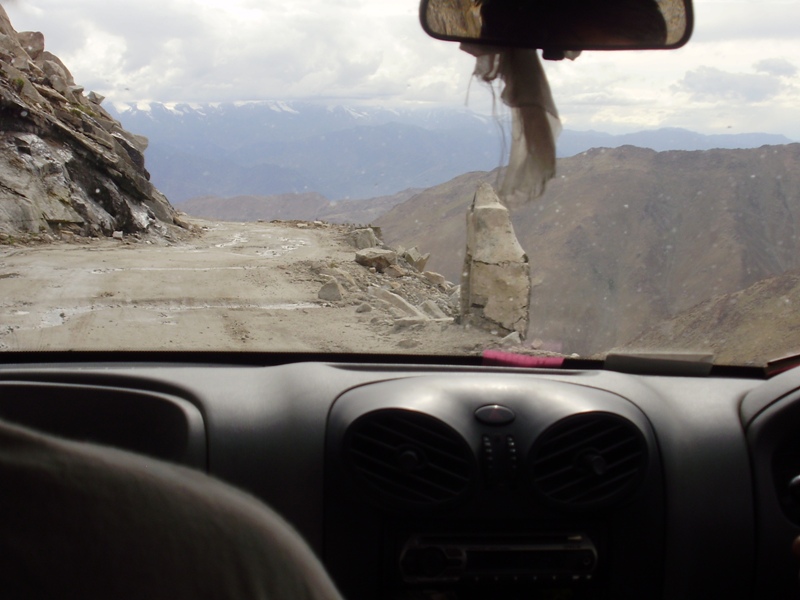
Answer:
(392, 283)
(66, 166)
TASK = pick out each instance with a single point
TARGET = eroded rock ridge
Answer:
(66, 165)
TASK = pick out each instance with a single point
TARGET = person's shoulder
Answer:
(108, 505)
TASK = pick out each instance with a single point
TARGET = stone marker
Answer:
(495, 282)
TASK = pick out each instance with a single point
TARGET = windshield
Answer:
(320, 177)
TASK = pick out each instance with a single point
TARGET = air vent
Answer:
(588, 460)
(409, 459)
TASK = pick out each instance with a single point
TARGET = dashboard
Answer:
(462, 481)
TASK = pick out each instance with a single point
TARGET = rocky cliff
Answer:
(65, 163)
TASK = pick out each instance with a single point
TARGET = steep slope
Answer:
(627, 237)
(751, 326)
(365, 211)
(65, 163)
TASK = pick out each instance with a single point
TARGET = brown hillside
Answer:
(252, 208)
(627, 237)
(304, 207)
(751, 326)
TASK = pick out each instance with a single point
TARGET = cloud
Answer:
(373, 51)
(779, 67)
(228, 50)
(709, 84)
(745, 20)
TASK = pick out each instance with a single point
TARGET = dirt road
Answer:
(236, 286)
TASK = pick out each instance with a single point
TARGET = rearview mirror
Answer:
(561, 25)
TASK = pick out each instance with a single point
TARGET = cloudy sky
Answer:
(740, 72)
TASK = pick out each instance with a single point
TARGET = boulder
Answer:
(414, 258)
(495, 284)
(396, 301)
(332, 291)
(376, 258)
(341, 275)
(434, 278)
(512, 339)
(96, 98)
(363, 238)
(406, 322)
(455, 295)
(430, 308)
(50, 57)
(395, 271)
(32, 42)
(59, 79)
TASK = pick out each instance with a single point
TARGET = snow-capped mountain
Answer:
(342, 152)
(277, 147)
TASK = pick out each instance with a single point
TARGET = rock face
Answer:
(495, 283)
(65, 163)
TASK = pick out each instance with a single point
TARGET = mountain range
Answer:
(627, 238)
(341, 152)
(309, 206)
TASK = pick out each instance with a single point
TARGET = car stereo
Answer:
(510, 559)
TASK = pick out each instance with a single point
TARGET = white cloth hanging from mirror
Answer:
(534, 119)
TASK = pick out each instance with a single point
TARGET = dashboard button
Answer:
(495, 414)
